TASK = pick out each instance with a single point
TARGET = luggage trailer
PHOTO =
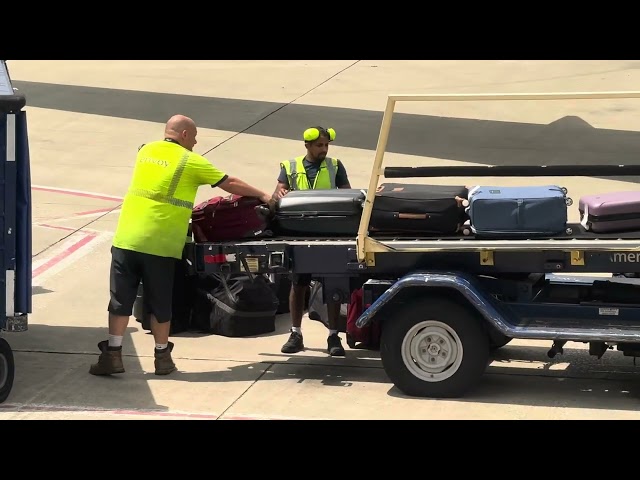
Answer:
(445, 303)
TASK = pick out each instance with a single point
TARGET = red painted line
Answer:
(140, 412)
(73, 409)
(76, 193)
(62, 255)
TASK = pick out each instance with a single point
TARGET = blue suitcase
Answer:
(517, 212)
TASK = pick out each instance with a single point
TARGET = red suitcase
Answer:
(610, 212)
(222, 219)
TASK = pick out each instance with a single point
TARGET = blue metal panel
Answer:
(23, 236)
(3, 249)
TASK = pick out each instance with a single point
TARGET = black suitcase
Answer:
(319, 212)
(417, 209)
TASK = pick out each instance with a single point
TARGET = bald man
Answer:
(150, 237)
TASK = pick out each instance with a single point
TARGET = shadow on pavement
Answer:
(584, 382)
(53, 371)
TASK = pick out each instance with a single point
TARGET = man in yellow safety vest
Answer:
(151, 233)
(312, 171)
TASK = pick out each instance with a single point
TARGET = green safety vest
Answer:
(325, 179)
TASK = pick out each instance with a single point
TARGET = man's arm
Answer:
(282, 188)
(342, 179)
(207, 174)
(236, 186)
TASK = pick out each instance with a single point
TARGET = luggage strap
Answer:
(233, 311)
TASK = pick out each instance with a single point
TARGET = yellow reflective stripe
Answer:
(160, 197)
(168, 198)
(331, 170)
(178, 174)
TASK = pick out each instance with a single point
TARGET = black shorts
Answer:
(301, 280)
(128, 268)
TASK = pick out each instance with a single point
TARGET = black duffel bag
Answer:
(239, 305)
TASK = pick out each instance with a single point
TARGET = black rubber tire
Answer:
(466, 324)
(499, 341)
(7, 370)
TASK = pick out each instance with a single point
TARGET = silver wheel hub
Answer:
(432, 351)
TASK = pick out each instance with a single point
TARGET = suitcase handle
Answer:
(413, 216)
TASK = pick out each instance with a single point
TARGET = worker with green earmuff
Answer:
(317, 171)
(314, 170)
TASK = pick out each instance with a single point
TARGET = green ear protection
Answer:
(312, 134)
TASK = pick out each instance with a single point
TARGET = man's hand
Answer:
(280, 193)
(270, 201)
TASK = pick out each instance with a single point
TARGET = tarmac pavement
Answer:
(86, 121)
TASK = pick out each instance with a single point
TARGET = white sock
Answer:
(333, 332)
(161, 346)
(297, 330)
(115, 341)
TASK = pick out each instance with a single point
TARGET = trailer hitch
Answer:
(556, 348)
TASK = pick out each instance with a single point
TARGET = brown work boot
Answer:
(110, 360)
(163, 361)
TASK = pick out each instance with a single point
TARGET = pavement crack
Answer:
(264, 372)
(281, 107)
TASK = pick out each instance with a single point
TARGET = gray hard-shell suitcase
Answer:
(517, 212)
(326, 213)
(610, 212)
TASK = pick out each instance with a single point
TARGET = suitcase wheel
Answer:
(569, 202)
(569, 231)
(350, 341)
(564, 190)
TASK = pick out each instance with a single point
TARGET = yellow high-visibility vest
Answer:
(158, 205)
(325, 179)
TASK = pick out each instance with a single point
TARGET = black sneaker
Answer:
(294, 344)
(334, 346)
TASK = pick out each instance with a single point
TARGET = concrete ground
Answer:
(86, 120)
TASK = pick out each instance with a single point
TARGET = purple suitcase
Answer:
(610, 212)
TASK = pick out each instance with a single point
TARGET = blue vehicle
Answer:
(15, 219)
(444, 303)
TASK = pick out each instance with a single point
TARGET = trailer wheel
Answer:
(434, 348)
(7, 370)
(499, 341)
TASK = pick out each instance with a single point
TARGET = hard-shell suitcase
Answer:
(233, 217)
(335, 212)
(415, 208)
(610, 212)
(517, 212)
